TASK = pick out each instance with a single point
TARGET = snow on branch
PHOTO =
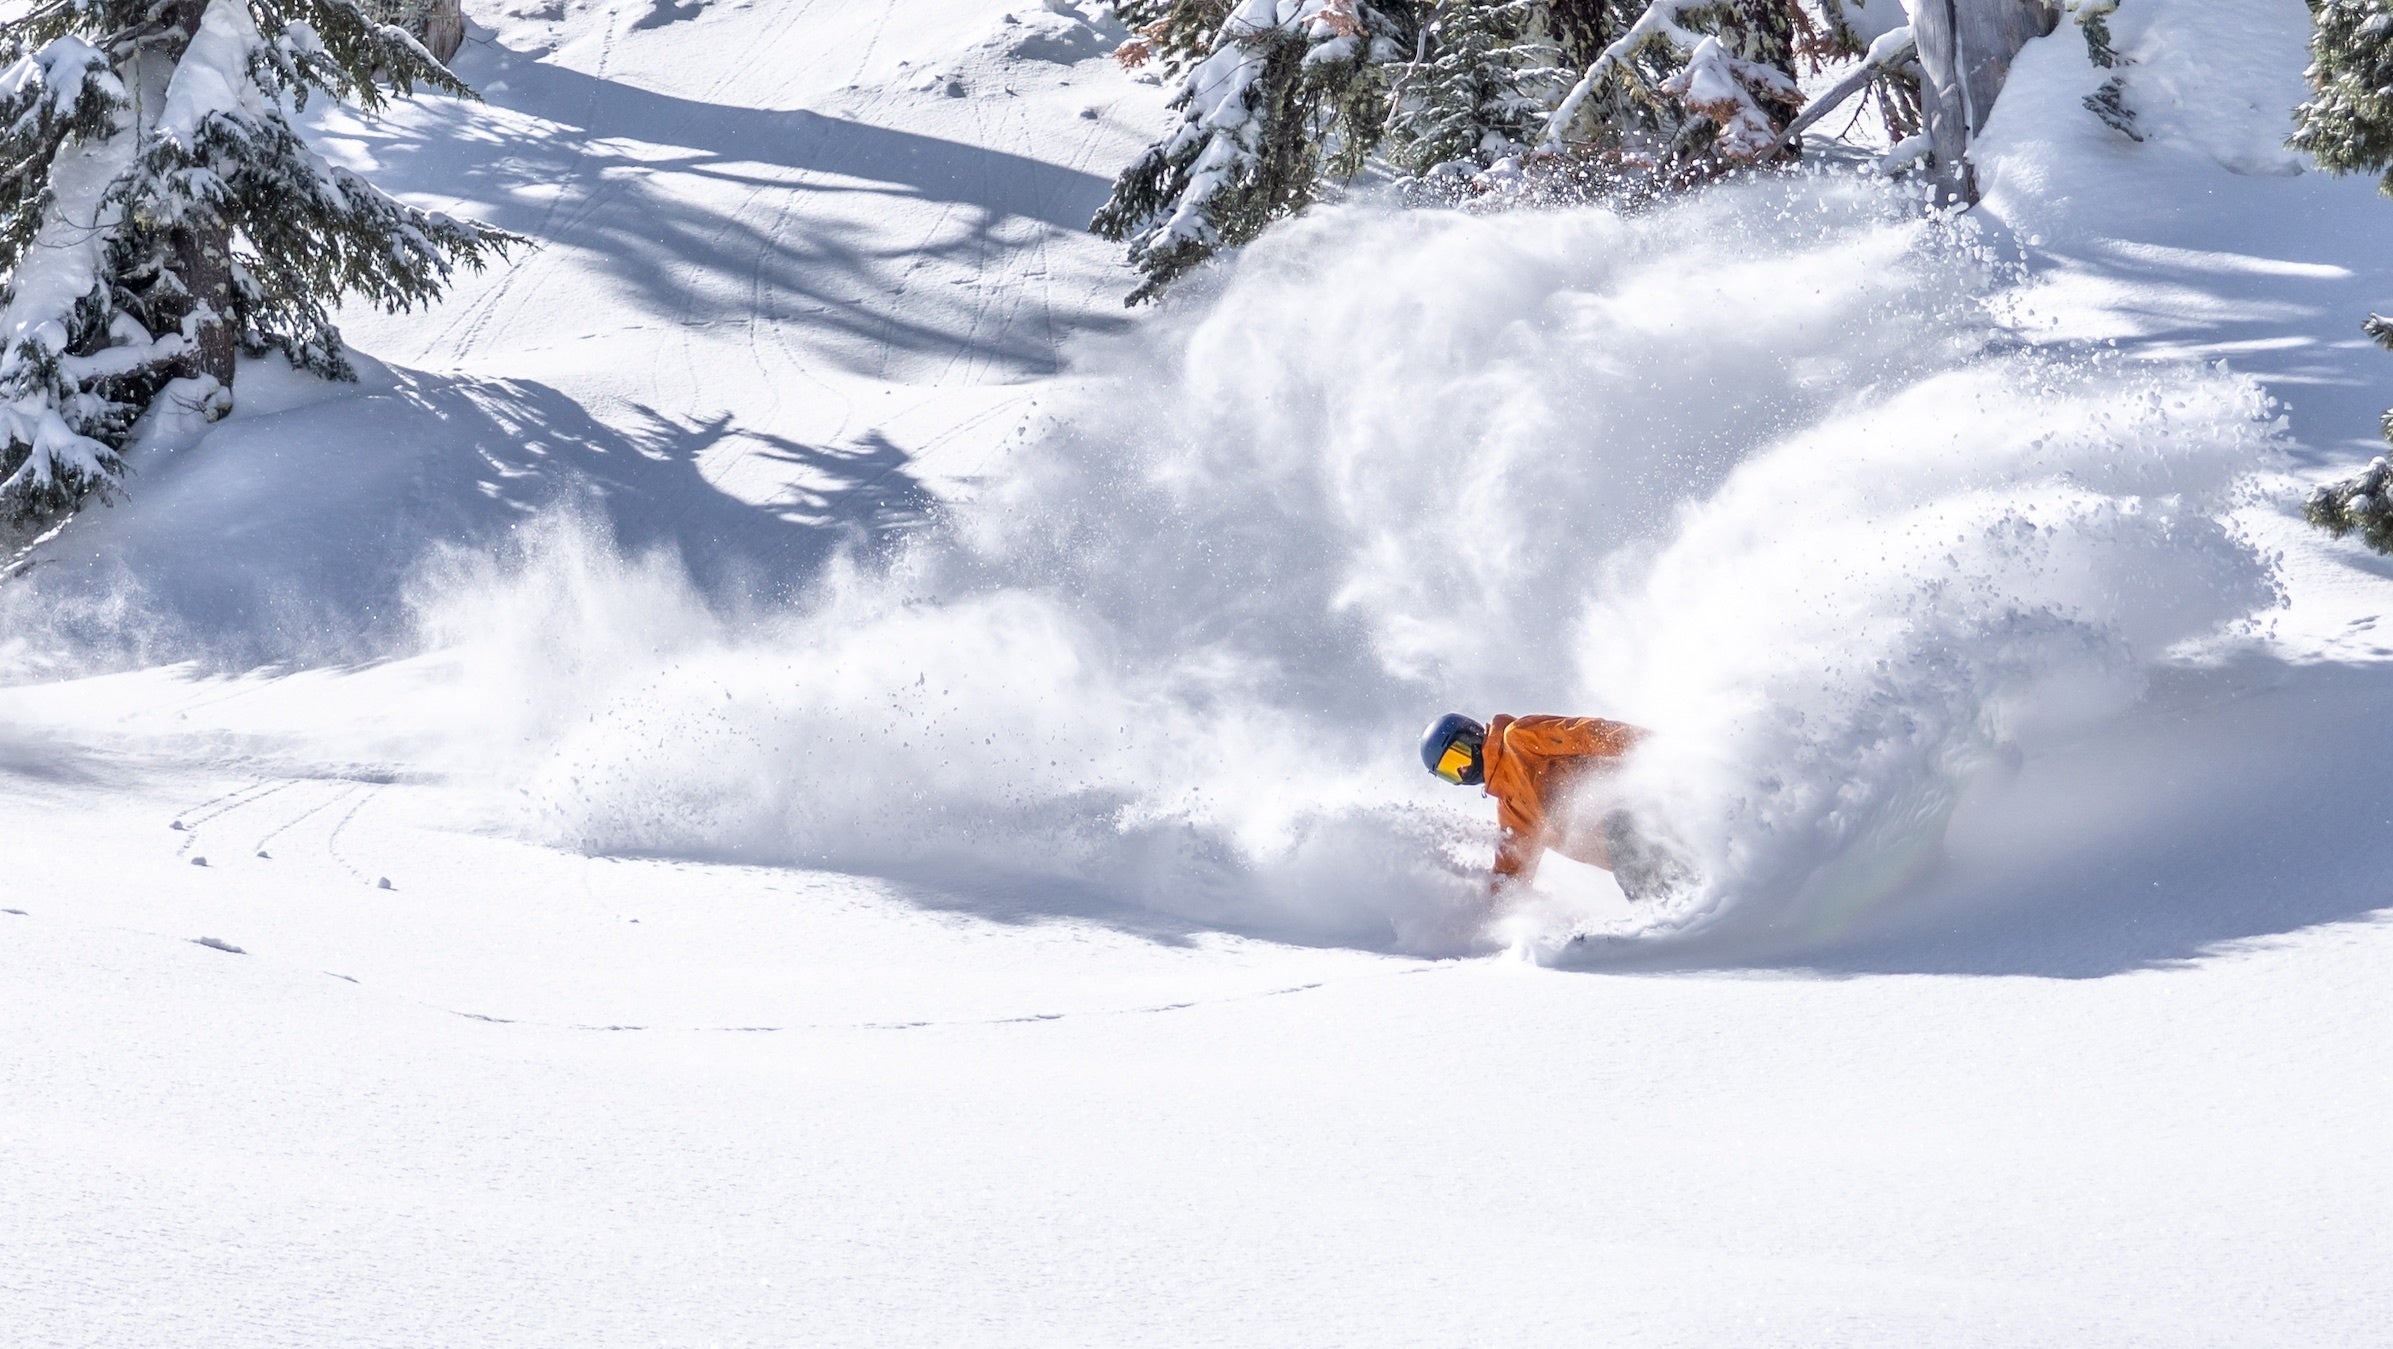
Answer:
(1660, 20)
(51, 83)
(1715, 83)
(59, 465)
(1719, 86)
(1254, 117)
(2363, 503)
(145, 242)
(213, 75)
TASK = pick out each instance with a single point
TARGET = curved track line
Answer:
(332, 839)
(232, 801)
(343, 794)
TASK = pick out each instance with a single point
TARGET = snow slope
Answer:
(783, 772)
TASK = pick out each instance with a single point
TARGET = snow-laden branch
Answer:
(1719, 86)
(1660, 19)
(58, 459)
(1715, 83)
(213, 76)
(1219, 110)
(1242, 148)
(58, 73)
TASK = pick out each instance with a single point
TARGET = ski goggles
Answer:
(1455, 762)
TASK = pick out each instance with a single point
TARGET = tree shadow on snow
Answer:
(2239, 283)
(290, 537)
(776, 218)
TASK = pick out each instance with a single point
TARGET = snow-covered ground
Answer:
(784, 772)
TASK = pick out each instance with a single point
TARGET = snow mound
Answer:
(1057, 33)
(1395, 462)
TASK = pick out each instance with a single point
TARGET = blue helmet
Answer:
(1451, 747)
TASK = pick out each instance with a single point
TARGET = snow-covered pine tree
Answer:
(1289, 94)
(1172, 33)
(2362, 503)
(2348, 128)
(1484, 77)
(2348, 125)
(1690, 87)
(1281, 97)
(160, 212)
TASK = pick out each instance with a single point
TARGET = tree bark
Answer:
(1965, 48)
(443, 29)
(203, 259)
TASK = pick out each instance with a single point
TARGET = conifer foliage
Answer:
(2347, 126)
(1484, 78)
(1285, 95)
(160, 213)
(1691, 85)
(1281, 100)
(2363, 503)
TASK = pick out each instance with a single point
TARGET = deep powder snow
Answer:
(1756, 471)
(2053, 836)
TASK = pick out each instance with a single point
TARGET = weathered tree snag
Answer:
(438, 24)
(1965, 49)
(443, 31)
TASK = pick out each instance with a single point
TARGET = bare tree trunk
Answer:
(203, 260)
(1965, 47)
(443, 29)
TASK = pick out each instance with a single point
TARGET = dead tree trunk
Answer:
(443, 30)
(1965, 49)
(203, 262)
(438, 24)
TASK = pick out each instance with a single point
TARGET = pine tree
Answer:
(2362, 503)
(1290, 95)
(1485, 75)
(160, 214)
(1280, 99)
(1689, 88)
(2348, 126)
(1172, 33)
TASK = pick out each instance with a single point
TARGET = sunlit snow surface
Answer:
(785, 772)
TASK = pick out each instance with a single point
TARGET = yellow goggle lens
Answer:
(1454, 762)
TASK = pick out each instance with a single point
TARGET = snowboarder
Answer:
(1546, 775)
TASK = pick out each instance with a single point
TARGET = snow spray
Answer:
(1756, 470)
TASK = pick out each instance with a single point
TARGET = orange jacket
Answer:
(1532, 763)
